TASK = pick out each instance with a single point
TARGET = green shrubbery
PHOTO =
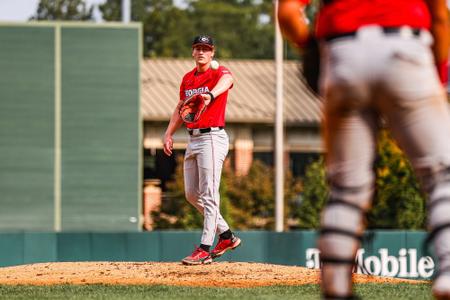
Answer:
(247, 202)
(314, 196)
(398, 202)
(251, 197)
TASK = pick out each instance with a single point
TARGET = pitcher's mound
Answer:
(218, 274)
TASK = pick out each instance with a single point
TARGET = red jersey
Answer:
(344, 16)
(199, 83)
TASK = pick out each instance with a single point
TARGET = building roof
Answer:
(251, 100)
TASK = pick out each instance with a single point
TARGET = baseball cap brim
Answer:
(203, 44)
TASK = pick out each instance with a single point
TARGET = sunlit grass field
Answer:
(365, 291)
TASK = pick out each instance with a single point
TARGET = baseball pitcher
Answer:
(379, 59)
(203, 99)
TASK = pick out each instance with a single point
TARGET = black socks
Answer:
(226, 235)
(205, 247)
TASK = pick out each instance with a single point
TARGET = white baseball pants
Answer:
(203, 163)
(365, 78)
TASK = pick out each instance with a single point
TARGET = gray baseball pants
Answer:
(365, 78)
(203, 163)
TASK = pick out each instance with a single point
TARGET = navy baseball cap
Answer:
(203, 40)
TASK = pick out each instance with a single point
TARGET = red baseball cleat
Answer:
(198, 257)
(225, 245)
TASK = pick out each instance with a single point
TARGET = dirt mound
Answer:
(218, 274)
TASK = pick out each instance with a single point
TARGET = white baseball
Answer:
(214, 65)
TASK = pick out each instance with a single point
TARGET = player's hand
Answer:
(168, 145)
(206, 98)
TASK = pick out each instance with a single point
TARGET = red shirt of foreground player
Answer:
(347, 16)
(338, 17)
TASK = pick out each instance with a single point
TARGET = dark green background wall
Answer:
(26, 127)
(72, 87)
(100, 128)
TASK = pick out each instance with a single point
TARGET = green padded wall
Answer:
(100, 128)
(27, 127)
(70, 88)
(384, 252)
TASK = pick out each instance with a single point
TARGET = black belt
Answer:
(204, 130)
(386, 30)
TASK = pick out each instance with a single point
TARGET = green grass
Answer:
(65, 292)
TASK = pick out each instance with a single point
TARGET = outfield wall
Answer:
(387, 253)
(70, 126)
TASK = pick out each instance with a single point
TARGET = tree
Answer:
(242, 28)
(238, 26)
(397, 204)
(252, 196)
(75, 10)
(167, 31)
(314, 196)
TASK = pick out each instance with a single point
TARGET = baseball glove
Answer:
(311, 64)
(192, 108)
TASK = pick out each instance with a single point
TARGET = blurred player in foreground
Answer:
(207, 148)
(379, 59)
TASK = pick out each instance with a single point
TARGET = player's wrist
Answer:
(167, 136)
(211, 95)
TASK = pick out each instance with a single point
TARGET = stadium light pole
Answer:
(126, 11)
(279, 138)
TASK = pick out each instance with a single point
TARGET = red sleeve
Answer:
(182, 96)
(222, 71)
(185, 79)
